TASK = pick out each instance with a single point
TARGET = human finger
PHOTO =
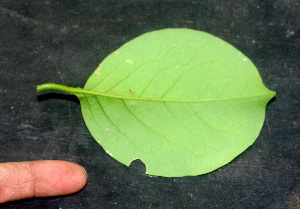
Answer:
(20, 180)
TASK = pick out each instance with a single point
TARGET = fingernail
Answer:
(84, 171)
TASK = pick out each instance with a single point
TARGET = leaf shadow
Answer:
(272, 100)
(68, 97)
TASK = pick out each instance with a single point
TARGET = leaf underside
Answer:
(182, 101)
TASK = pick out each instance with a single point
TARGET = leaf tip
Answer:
(272, 94)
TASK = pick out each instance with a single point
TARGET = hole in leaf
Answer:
(137, 166)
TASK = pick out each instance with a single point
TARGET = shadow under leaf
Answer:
(68, 97)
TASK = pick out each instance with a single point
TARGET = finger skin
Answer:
(20, 180)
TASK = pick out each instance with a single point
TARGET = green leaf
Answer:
(182, 101)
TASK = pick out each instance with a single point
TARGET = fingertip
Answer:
(74, 177)
(55, 178)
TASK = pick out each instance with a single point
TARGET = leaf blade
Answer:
(164, 107)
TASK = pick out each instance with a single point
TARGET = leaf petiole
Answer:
(77, 91)
(59, 87)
